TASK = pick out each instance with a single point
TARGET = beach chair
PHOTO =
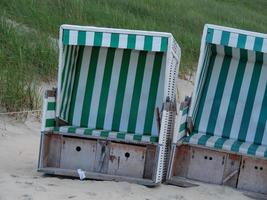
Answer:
(111, 114)
(221, 134)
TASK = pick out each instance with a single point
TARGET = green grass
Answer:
(184, 19)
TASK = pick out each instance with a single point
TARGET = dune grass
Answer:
(184, 19)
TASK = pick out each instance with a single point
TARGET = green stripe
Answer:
(50, 122)
(219, 143)
(164, 44)
(219, 92)
(154, 139)
(88, 131)
(51, 106)
(98, 39)
(121, 90)
(121, 135)
(114, 42)
(148, 43)
(137, 91)
(89, 86)
(225, 38)
(66, 36)
(104, 134)
(64, 87)
(250, 101)
(185, 111)
(182, 127)
(151, 104)
(70, 86)
(76, 82)
(209, 36)
(56, 129)
(203, 140)
(65, 65)
(72, 129)
(81, 37)
(241, 43)
(205, 89)
(258, 44)
(262, 120)
(234, 95)
(105, 88)
(137, 137)
(131, 41)
(265, 153)
(235, 147)
(252, 149)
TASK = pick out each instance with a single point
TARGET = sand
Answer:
(19, 146)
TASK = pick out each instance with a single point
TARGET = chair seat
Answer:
(87, 132)
(231, 145)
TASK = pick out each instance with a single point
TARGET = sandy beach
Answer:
(19, 143)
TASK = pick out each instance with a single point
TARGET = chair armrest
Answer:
(49, 111)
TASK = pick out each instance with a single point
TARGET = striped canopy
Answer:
(230, 98)
(112, 80)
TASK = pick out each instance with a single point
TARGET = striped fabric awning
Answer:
(230, 97)
(115, 40)
(237, 39)
(220, 143)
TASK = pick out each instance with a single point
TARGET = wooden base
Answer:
(100, 159)
(217, 167)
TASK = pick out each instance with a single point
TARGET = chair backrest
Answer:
(230, 97)
(113, 79)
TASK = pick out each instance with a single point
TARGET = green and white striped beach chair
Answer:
(111, 114)
(226, 122)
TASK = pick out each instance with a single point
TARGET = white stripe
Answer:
(64, 129)
(80, 131)
(211, 92)
(97, 87)
(123, 38)
(217, 36)
(81, 86)
(233, 40)
(113, 88)
(226, 95)
(228, 144)
(128, 91)
(241, 100)
(264, 46)
(139, 43)
(244, 147)
(194, 139)
(50, 114)
(141, 116)
(257, 106)
(73, 37)
(129, 137)
(160, 94)
(211, 141)
(156, 43)
(261, 150)
(145, 138)
(51, 99)
(113, 135)
(96, 133)
(89, 38)
(250, 42)
(106, 39)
